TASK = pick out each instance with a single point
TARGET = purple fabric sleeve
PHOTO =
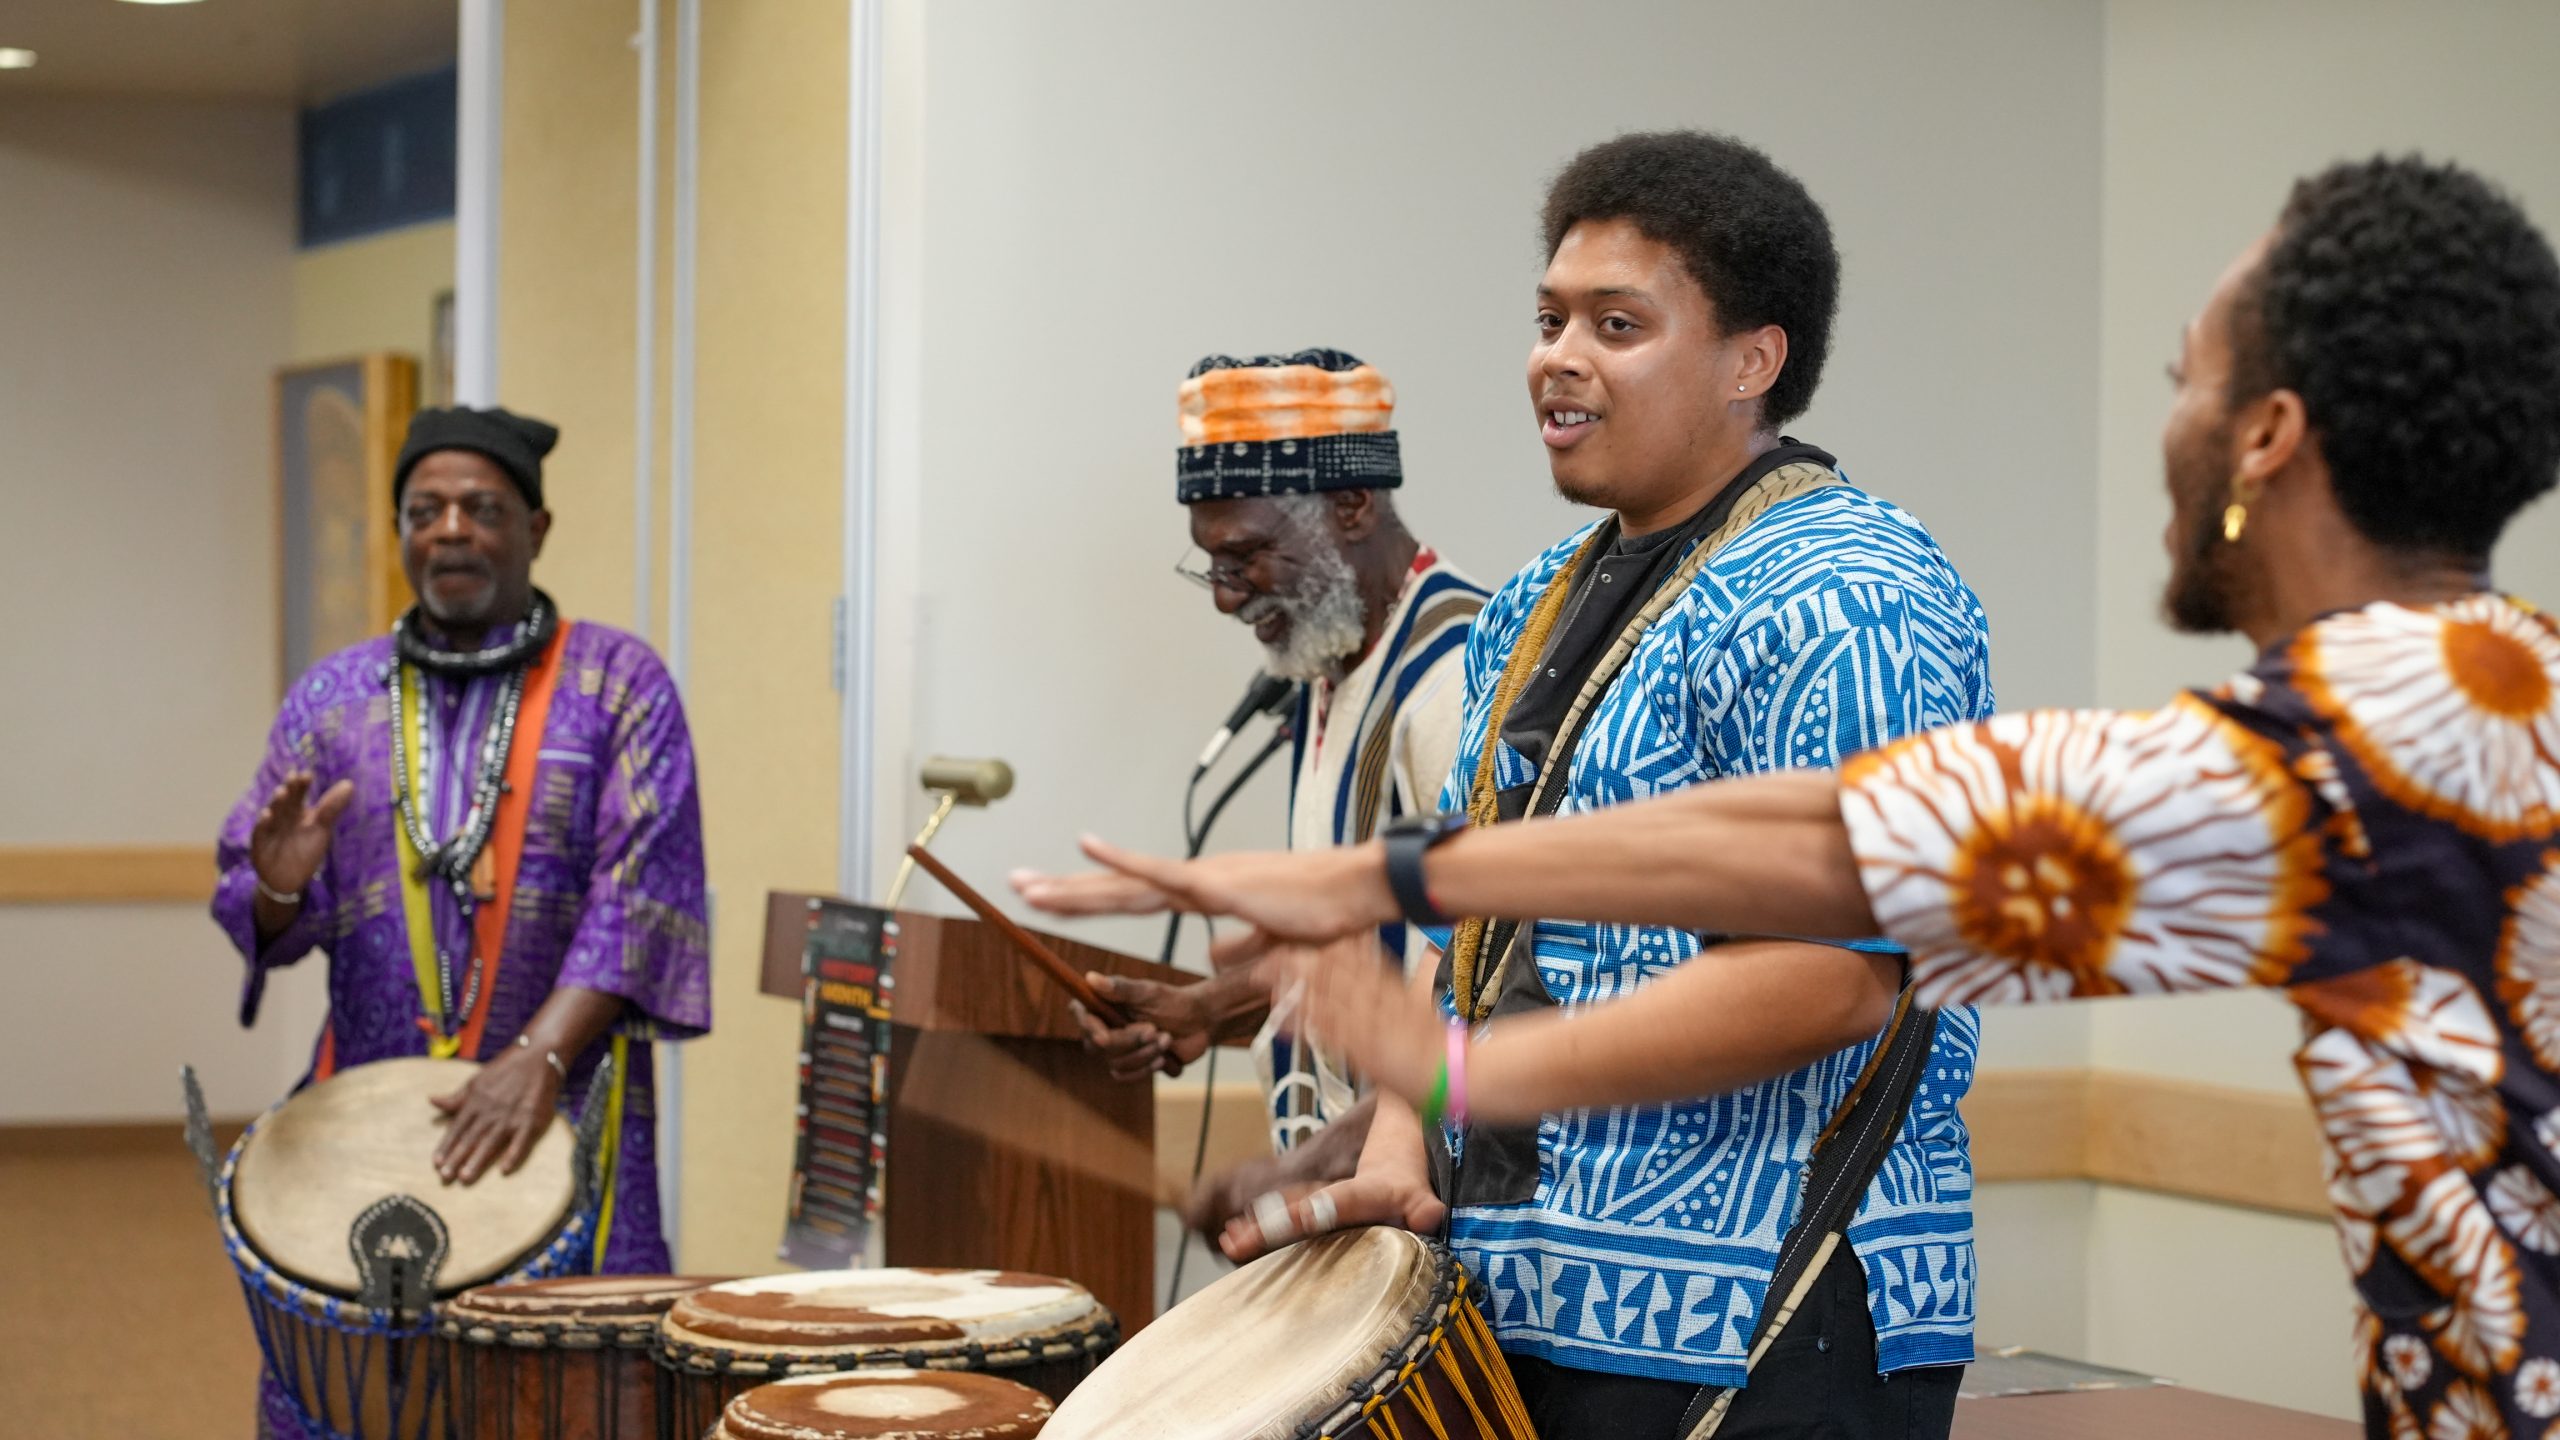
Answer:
(291, 746)
(642, 934)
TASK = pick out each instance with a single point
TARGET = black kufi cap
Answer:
(515, 443)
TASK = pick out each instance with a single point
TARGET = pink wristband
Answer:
(1457, 1107)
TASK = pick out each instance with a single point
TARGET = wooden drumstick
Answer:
(1023, 940)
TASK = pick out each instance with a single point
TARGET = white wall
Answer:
(146, 253)
(2211, 110)
(1368, 177)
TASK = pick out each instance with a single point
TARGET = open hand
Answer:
(292, 834)
(1308, 897)
(498, 1116)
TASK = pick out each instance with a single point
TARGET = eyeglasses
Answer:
(1217, 574)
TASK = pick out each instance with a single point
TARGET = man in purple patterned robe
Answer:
(604, 935)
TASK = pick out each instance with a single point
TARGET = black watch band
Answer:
(1407, 841)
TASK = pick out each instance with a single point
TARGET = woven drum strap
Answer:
(1468, 944)
(1845, 1159)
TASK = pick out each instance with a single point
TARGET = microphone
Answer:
(1266, 693)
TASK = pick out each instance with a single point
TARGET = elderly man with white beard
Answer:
(1285, 467)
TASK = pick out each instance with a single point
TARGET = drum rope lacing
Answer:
(296, 1353)
(1450, 1306)
(551, 1334)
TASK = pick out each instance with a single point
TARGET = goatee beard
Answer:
(2198, 599)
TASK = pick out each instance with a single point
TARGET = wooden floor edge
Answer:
(106, 874)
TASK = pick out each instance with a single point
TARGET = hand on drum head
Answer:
(1221, 1199)
(1283, 1217)
(498, 1116)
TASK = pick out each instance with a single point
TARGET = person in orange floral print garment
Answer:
(2369, 817)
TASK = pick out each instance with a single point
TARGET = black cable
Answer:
(1279, 737)
(1191, 838)
(1196, 839)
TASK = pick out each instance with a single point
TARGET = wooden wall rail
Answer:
(106, 874)
(2203, 1142)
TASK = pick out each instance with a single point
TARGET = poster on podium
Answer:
(840, 1146)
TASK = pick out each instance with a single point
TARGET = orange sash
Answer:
(506, 837)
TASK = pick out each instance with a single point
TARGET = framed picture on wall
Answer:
(338, 433)
(440, 352)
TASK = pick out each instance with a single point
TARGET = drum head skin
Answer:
(1262, 1351)
(841, 1310)
(314, 1163)
(886, 1405)
(581, 1301)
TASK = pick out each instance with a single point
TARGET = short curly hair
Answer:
(2416, 311)
(1747, 232)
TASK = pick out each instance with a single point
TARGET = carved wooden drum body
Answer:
(1370, 1332)
(345, 1238)
(565, 1359)
(727, 1339)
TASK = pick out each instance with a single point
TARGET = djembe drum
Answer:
(564, 1359)
(1370, 1332)
(344, 1238)
(878, 1404)
(724, 1340)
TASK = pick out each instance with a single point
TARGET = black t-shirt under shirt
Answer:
(1605, 596)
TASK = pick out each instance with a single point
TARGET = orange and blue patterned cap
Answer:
(1285, 425)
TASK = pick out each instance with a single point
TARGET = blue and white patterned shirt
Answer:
(1831, 624)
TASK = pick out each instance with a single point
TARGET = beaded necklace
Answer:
(454, 858)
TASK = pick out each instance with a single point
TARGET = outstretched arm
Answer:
(1761, 856)
(1729, 1017)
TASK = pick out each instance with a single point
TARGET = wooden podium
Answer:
(1009, 1146)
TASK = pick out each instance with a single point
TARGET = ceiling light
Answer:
(13, 59)
(160, 2)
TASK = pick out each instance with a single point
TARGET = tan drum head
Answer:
(596, 1301)
(316, 1161)
(1257, 1354)
(878, 1404)
(841, 1310)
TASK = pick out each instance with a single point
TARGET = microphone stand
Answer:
(1195, 840)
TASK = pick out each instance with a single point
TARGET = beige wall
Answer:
(768, 480)
(375, 292)
(767, 514)
(146, 279)
(567, 207)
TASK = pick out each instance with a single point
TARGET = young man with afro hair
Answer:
(1736, 608)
